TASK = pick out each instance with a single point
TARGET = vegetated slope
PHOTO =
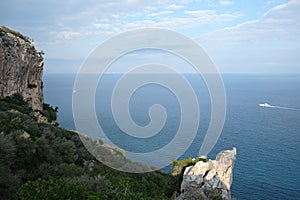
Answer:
(39, 159)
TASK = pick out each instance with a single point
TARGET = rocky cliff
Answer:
(21, 68)
(209, 180)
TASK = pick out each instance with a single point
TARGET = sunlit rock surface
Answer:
(21, 68)
(209, 180)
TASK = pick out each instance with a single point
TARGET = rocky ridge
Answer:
(209, 180)
(21, 68)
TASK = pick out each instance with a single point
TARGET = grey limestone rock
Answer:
(209, 180)
(21, 68)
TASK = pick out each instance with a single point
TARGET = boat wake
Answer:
(280, 107)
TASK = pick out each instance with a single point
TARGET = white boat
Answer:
(264, 105)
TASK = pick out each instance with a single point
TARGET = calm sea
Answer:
(267, 138)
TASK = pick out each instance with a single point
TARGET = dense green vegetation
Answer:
(49, 112)
(40, 159)
(58, 189)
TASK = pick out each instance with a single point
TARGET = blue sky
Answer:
(240, 36)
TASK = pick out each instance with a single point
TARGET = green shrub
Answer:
(187, 162)
(49, 112)
(14, 102)
(180, 165)
(54, 189)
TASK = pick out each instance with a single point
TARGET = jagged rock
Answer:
(21, 68)
(209, 180)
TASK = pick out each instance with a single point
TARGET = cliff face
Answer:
(209, 180)
(21, 68)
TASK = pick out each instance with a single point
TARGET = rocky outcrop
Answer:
(209, 180)
(21, 68)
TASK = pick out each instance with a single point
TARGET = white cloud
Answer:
(269, 44)
(194, 19)
(175, 7)
(121, 9)
(280, 23)
(102, 26)
(159, 14)
(211, 16)
(124, 15)
(226, 2)
(66, 35)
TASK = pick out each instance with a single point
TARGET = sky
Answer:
(240, 36)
